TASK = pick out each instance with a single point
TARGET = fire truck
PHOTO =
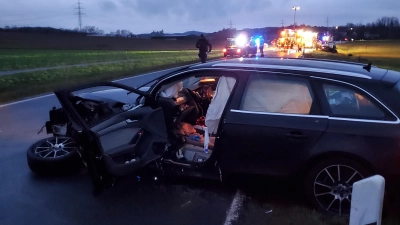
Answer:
(296, 40)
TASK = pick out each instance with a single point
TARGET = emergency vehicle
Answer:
(296, 39)
(234, 47)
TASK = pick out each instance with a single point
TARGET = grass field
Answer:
(17, 86)
(13, 59)
(385, 54)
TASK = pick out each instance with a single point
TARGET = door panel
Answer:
(126, 136)
(269, 144)
(274, 126)
(134, 139)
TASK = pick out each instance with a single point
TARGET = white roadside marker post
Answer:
(367, 201)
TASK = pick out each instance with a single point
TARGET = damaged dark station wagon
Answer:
(331, 123)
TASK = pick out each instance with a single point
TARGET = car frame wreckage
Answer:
(328, 123)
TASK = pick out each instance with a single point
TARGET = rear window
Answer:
(277, 94)
(346, 102)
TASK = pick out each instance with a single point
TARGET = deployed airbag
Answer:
(172, 92)
(217, 105)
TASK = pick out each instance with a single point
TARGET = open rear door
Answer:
(118, 133)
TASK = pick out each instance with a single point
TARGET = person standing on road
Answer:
(261, 47)
(204, 47)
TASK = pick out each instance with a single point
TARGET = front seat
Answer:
(214, 111)
(201, 142)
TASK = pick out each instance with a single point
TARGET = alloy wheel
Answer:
(333, 187)
(55, 147)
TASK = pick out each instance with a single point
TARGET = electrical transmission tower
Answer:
(79, 13)
(282, 24)
(230, 25)
(327, 22)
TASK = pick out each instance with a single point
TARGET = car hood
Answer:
(115, 95)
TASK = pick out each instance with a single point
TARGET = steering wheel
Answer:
(196, 96)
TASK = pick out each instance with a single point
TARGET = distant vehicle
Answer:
(256, 43)
(233, 48)
(325, 123)
(296, 39)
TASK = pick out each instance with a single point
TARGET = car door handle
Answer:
(130, 121)
(296, 135)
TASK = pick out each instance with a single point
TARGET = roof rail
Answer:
(295, 68)
(336, 61)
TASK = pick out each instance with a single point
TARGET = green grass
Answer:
(13, 59)
(385, 54)
(17, 86)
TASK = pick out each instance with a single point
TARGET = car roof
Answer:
(340, 68)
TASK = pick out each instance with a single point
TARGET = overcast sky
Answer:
(142, 16)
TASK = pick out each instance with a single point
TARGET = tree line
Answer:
(382, 28)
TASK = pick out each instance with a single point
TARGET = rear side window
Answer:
(277, 94)
(345, 102)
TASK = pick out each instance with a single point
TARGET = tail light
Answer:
(238, 51)
(224, 50)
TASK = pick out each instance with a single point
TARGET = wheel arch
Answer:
(314, 160)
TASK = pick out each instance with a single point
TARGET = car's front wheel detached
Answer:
(54, 156)
(329, 184)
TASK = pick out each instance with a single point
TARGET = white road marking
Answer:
(186, 203)
(236, 205)
(26, 100)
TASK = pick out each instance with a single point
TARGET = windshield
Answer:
(149, 84)
(231, 43)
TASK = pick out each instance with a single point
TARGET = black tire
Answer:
(322, 183)
(43, 159)
(225, 55)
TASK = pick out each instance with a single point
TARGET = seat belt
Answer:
(206, 136)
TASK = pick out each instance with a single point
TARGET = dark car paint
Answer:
(270, 150)
(375, 74)
(375, 145)
(234, 155)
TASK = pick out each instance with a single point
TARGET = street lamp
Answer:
(295, 9)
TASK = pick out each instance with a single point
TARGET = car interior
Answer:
(346, 102)
(130, 134)
(192, 109)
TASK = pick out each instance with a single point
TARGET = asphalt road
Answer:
(29, 199)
